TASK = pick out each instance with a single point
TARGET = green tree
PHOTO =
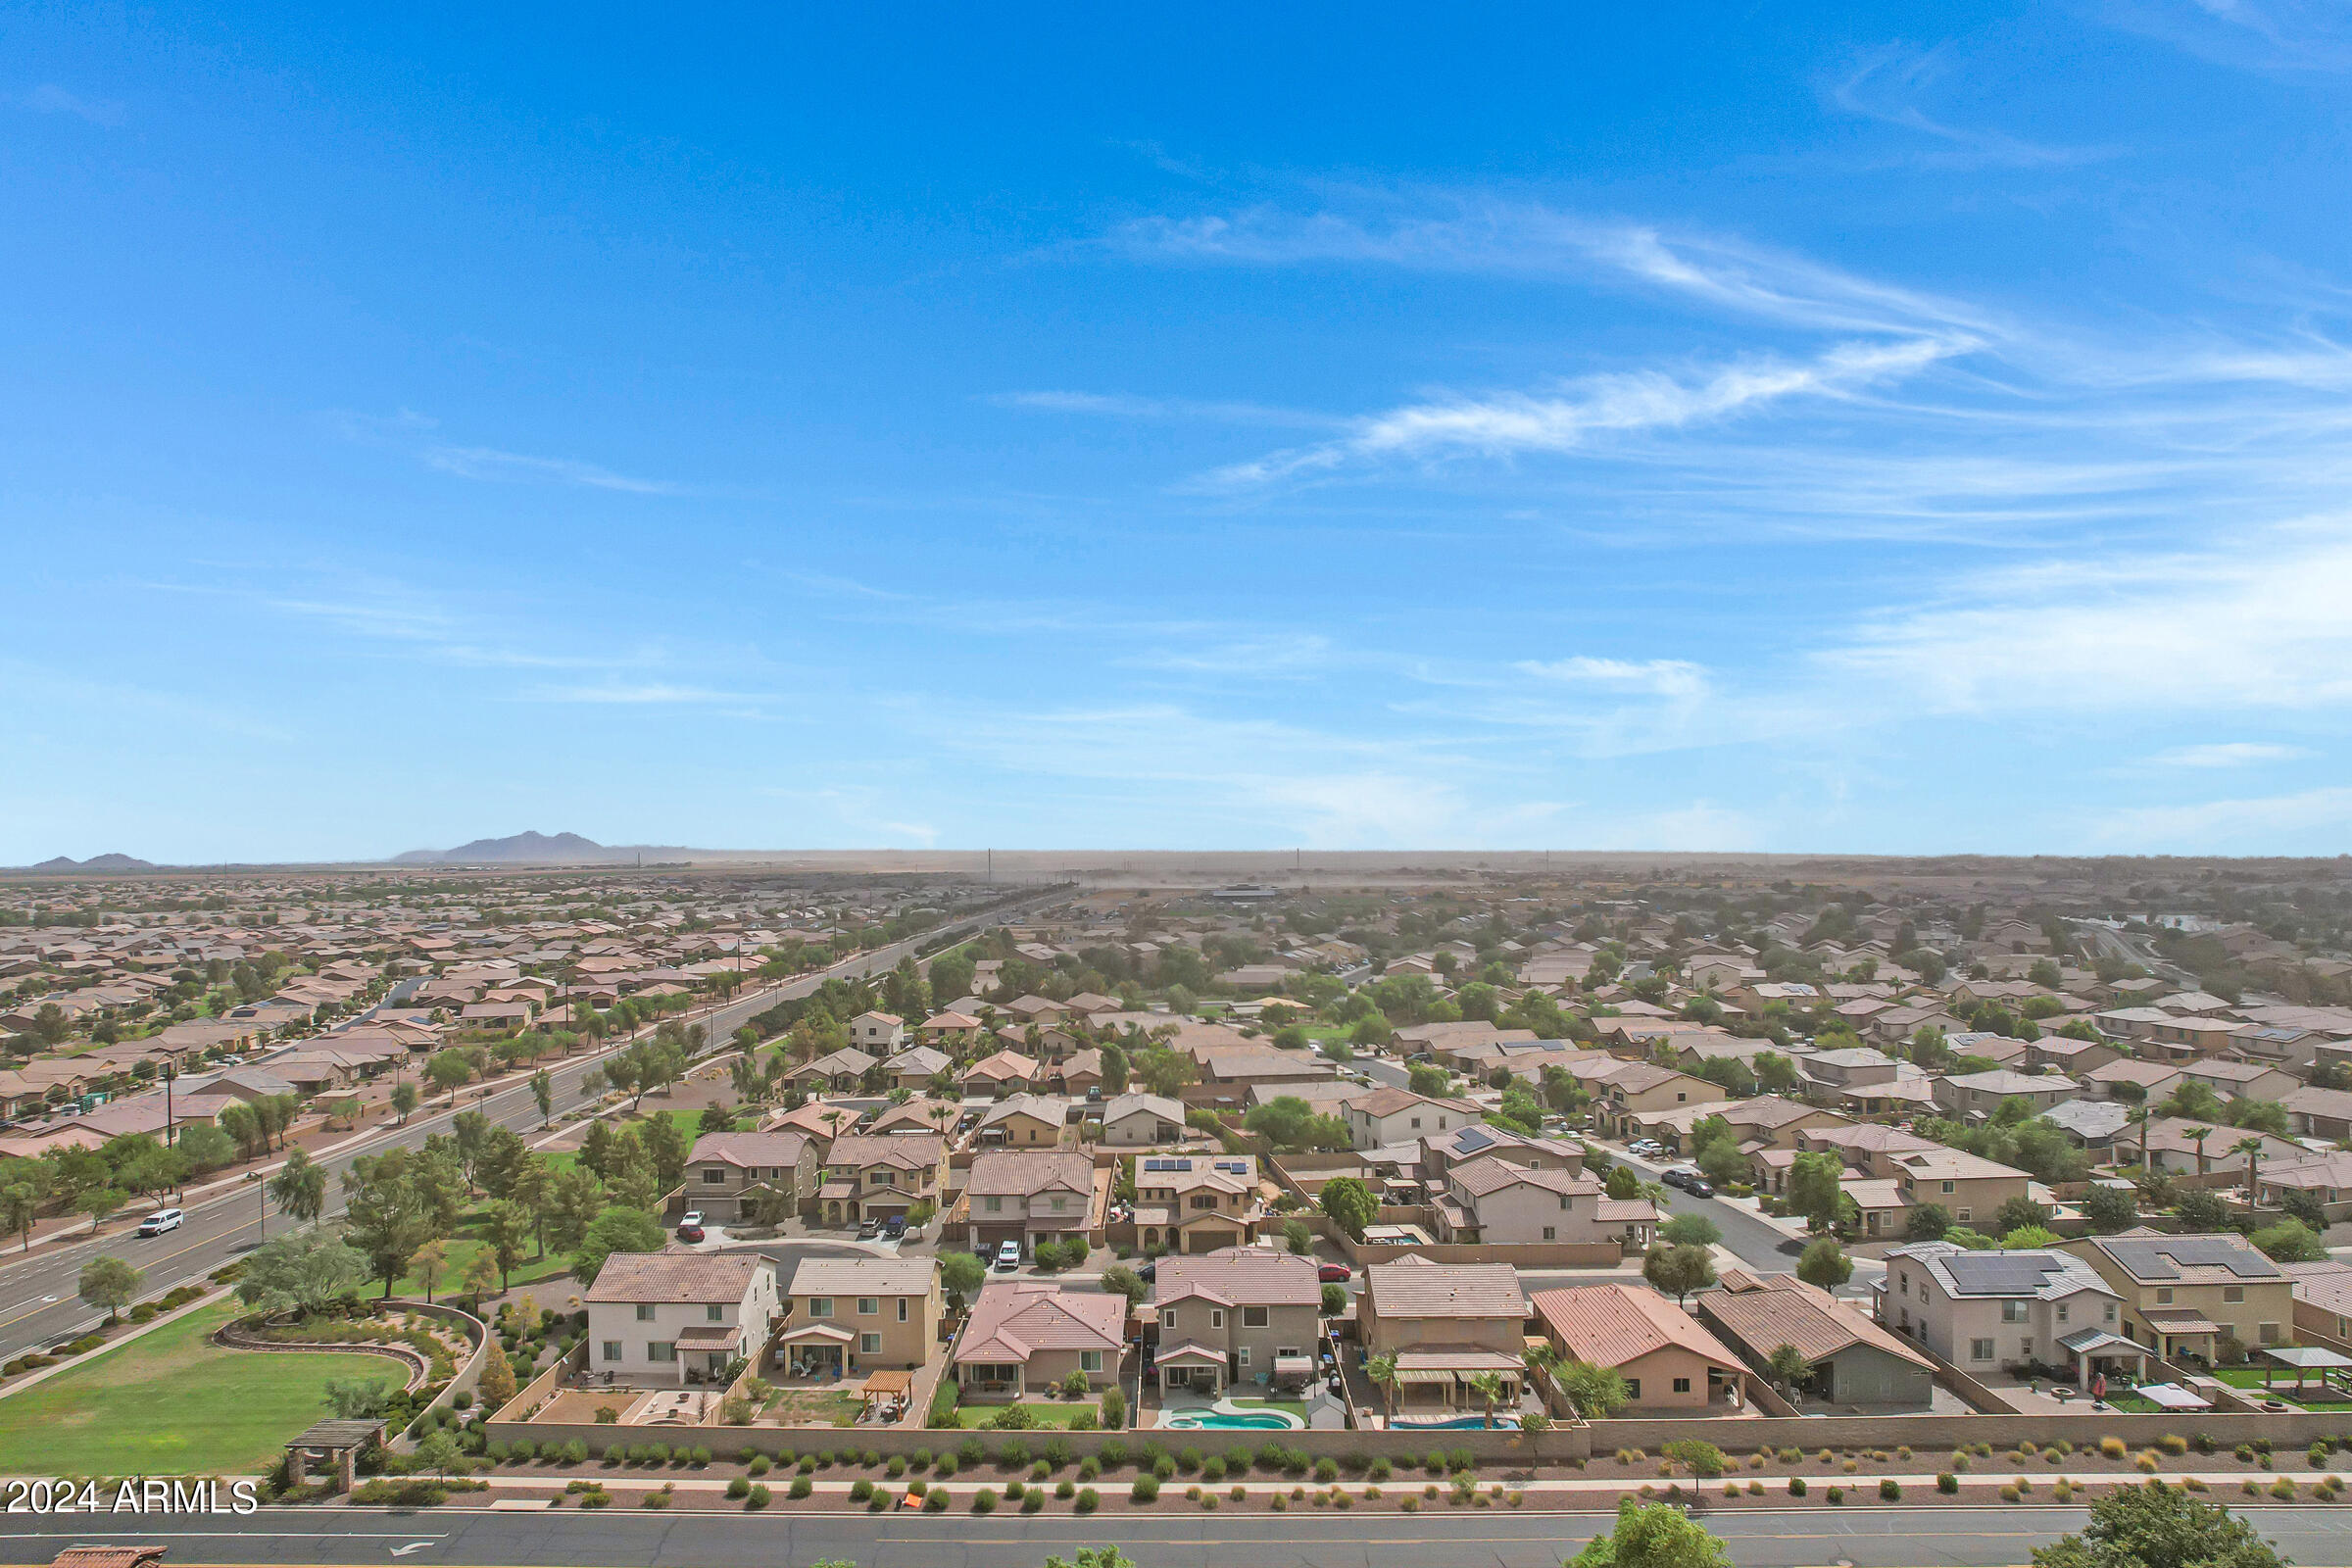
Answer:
(960, 1275)
(20, 1207)
(574, 1198)
(1431, 1080)
(205, 1148)
(2290, 1241)
(405, 1099)
(1927, 1223)
(1825, 1263)
(430, 1264)
(2201, 1213)
(2157, 1526)
(1117, 1278)
(1652, 1534)
(1596, 1392)
(108, 1282)
(381, 1214)
(1816, 1182)
(305, 1271)
(1690, 1230)
(2019, 1213)
(2110, 1208)
(1349, 1204)
(1381, 1370)
(354, 1398)
(543, 1090)
(449, 1072)
(1788, 1367)
(506, 1234)
(1678, 1270)
(615, 1230)
(299, 1188)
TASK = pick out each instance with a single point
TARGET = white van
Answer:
(162, 1220)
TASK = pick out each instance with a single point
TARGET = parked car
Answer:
(162, 1220)
(1008, 1257)
(1699, 1187)
(1680, 1176)
(1147, 1272)
(894, 1227)
(1333, 1273)
(1646, 1147)
(693, 1217)
(690, 1233)
(868, 1231)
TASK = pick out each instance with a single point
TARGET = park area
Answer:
(171, 1402)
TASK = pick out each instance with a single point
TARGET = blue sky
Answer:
(1866, 427)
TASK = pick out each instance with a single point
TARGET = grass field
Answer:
(1055, 1414)
(461, 1248)
(2315, 1396)
(171, 1403)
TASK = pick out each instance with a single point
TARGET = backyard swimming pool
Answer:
(1230, 1421)
(1465, 1423)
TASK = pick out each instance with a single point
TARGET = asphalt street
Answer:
(1179, 1538)
(38, 1304)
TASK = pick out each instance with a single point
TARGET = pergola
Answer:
(335, 1442)
(2305, 1359)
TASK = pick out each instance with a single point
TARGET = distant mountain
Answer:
(536, 849)
(59, 864)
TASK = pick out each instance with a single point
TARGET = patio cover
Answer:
(1468, 1358)
(1424, 1375)
(1189, 1351)
(2172, 1396)
(820, 1330)
(2099, 1341)
(2183, 1322)
(708, 1336)
(1293, 1366)
(2309, 1357)
(882, 1384)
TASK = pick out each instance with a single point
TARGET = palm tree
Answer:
(1381, 1370)
(1788, 1367)
(2251, 1148)
(1487, 1385)
(2197, 1136)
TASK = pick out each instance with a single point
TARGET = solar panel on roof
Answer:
(1472, 1138)
(2000, 1273)
(1236, 1167)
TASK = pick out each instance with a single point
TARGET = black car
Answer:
(1147, 1272)
(894, 1227)
(1699, 1187)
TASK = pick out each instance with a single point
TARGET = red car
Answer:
(690, 1233)
(1333, 1273)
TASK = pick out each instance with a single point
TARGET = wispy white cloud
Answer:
(51, 99)
(2214, 825)
(1662, 677)
(2288, 36)
(2229, 753)
(1886, 84)
(487, 463)
(1127, 406)
(1508, 425)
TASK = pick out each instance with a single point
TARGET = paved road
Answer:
(39, 1305)
(1180, 1538)
(1758, 1245)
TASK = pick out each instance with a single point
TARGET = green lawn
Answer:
(1296, 1407)
(461, 1248)
(1055, 1414)
(2250, 1378)
(171, 1403)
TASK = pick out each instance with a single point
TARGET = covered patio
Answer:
(1442, 1378)
(2185, 1335)
(705, 1350)
(1192, 1366)
(815, 1351)
(2097, 1352)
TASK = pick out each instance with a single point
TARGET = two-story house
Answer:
(1644, 1087)
(1245, 1314)
(1444, 1324)
(2182, 1294)
(1031, 1196)
(1194, 1204)
(1492, 1201)
(2017, 1311)
(657, 1318)
(750, 1176)
(840, 1072)
(870, 1176)
(877, 1034)
(844, 1316)
(1024, 1121)
(1966, 1186)
(1975, 1095)
(1400, 1116)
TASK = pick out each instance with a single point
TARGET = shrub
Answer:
(1212, 1468)
(1067, 1488)
(917, 1488)
(1163, 1468)
(1797, 1486)
(1947, 1483)
(896, 1468)
(802, 1485)
(947, 1467)
(920, 1459)
(739, 1488)
(2172, 1444)
(1113, 1454)
(808, 1463)
(1959, 1460)
(1089, 1468)
(984, 1500)
(1014, 1490)
(1460, 1459)
(1378, 1470)
(935, 1502)
(1032, 1500)
(1410, 1505)
(1114, 1409)
(759, 1465)
(2317, 1457)
(1326, 1472)
(860, 1490)
(1088, 1501)
(970, 1451)
(2283, 1489)
(1188, 1460)
(1145, 1489)
(758, 1499)
(1013, 1456)
(1889, 1492)
(1835, 1497)
(2113, 1447)
(654, 1500)
(2149, 1463)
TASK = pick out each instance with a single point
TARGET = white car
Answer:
(694, 1216)
(1646, 1147)
(162, 1220)
(1008, 1257)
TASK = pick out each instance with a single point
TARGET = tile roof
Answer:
(657, 1276)
(1609, 1325)
(1017, 1173)
(1780, 1309)
(1415, 1287)
(748, 1150)
(1240, 1276)
(1013, 1320)
(861, 1276)
(2150, 1257)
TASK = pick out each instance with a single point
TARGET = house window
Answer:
(820, 1306)
(1255, 1317)
(1242, 1357)
(644, 1311)
(712, 1175)
(1167, 1319)
(661, 1350)
(1632, 1389)
(1216, 1318)
(2268, 1333)
(1947, 1187)
(2164, 1295)
(1979, 1350)
(996, 1205)
(1089, 1360)
(2025, 1347)
(870, 1344)
(1417, 1124)
(714, 1313)
(1902, 1283)
(2234, 1295)
(2062, 1311)
(1551, 1233)
(902, 1309)
(2013, 1311)
(869, 1306)
(611, 1349)
(1961, 1214)
(1681, 1384)
(2110, 1312)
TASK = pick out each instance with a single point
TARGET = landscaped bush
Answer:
(1698, 1456)
(1326, 1472)
(1163, 1468)
(935, 1502)
(972, 1451)
(1088, 1501)
(947, 1467)
(802, 1485)
(739, 1488)
(1188, 1460)
(758, 1464)
(1835, 1497)
(1947, 1483)
(2113, 1447)
(1089, 1468)
(759, 1497)
(861, 1490)
(2172, 1444)
(1212, 1468)
(1378, 1471)
(1146, 1488)
(984, 1500)
(1889, 1492)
